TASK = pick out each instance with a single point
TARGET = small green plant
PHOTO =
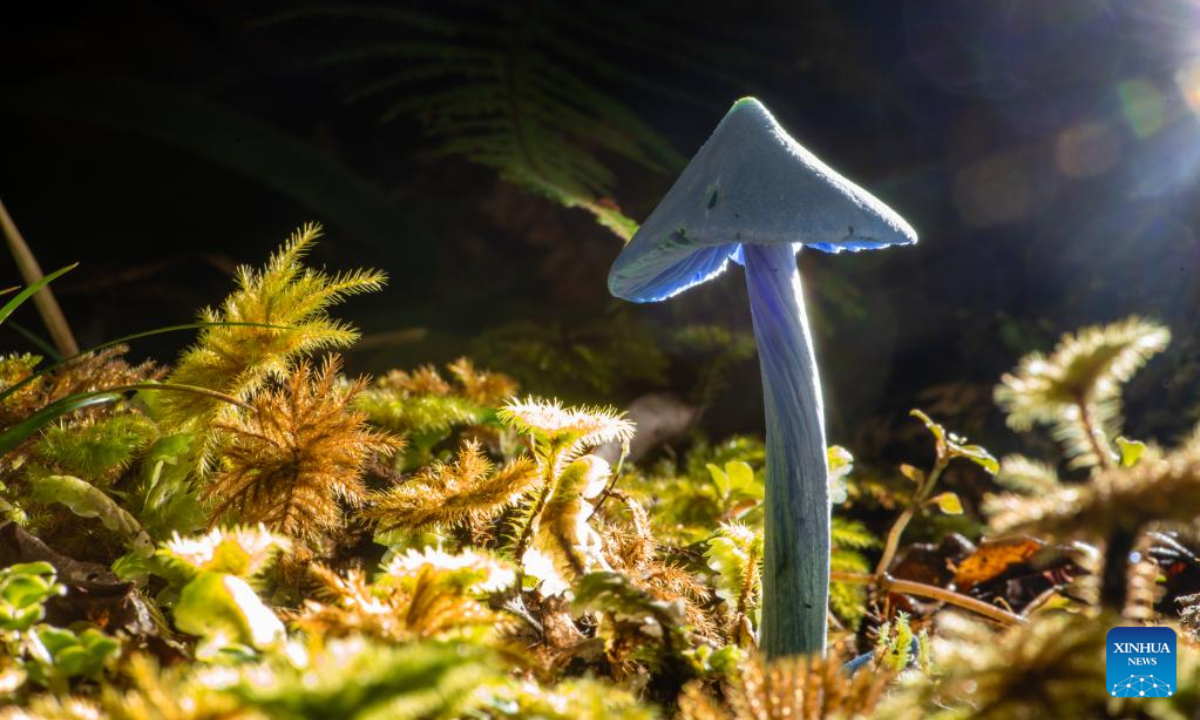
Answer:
(49, 656)
(216, 602)
(24, 590)
(947, 446)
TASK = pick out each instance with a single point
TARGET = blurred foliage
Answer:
(525, 90)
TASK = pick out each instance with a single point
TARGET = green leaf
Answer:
(29, 291)
(976, 454)
(917, 475)
(720, 480)
(736, 481)
(88, 501)
(950, 445)
(24, 588)
(168, 500)
(69, 655)
(841, 462)
(224, 611)
(1131, 451)
(948, 503)
(741, 476)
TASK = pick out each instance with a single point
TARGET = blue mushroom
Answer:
(753, 195)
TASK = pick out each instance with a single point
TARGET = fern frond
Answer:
(468, 490)
(289, 462)
(528, 90)
(849, 538)
(851, 535)
(239, 360)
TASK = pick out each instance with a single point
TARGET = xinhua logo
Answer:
(1141, 661)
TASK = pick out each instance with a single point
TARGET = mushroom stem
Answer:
(796, 572)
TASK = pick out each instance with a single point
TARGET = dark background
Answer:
(1046, 151)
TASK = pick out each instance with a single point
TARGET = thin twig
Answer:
(933, 592)
(893, 539)
(613, 478)
(44, 299)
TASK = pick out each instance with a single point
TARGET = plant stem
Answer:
(893, 539)
(1095, 436)
(47, 305)
(1114, 580)
(797, 522)
(549, 480)
(933, 592)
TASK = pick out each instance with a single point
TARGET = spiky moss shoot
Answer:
(1077, 389)
(291, 461)
(557, 436)
(1114, 507)
(239, 359)
(424, 405)
(241, 551)
(561, 433)
(791, 688)
(470, 490)
(1161, 488)
(95, 449)
(418, 595)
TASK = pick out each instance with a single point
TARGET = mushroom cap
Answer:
(749, 183)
